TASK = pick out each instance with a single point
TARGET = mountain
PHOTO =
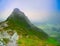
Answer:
(19, 22)
(18, 26)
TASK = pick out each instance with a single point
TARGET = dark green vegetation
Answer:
(6, 40)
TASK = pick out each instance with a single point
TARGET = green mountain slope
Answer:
(18, 21)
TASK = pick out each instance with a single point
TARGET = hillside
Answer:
(18, 30)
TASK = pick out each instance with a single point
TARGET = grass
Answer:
(29, 42)
(36, 42)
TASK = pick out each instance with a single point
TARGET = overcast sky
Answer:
(38, 11)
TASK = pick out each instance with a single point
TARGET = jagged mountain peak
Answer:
(17, 11)
(17, 14)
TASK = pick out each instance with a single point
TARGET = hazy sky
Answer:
(38, 11)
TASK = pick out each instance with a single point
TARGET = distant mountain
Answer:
(53, 30)
(19, 22)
